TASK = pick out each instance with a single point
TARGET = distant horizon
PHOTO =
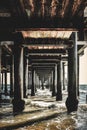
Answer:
(83, 68)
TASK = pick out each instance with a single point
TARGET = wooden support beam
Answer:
(43, 65)
(67, 8)
(78, 4)
(0, 72)
(72, 102)
(81, 50)
(47, 51)
(7, 49)
(46, 62)
(46, 29)
(59, 85)
(36, 57)
(33, 83)
(53, 88)
(48, 42)
(18, 102)
(46, 57)
(12, 76)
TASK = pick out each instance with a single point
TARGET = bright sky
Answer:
(83, 68)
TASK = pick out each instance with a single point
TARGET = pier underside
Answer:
(40, 46)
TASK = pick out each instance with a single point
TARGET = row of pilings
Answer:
(19, 68)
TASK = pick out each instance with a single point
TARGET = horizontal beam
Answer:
(38, 57)
(41, 64)
(81, 43)
(47, 29)
(47, 41)
(44, 62)
(46, 51)
(44, 66)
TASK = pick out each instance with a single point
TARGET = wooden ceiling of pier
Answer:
(22, 20)
(21, 14)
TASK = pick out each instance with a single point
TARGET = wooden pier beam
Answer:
(5, 82)
(5, 76)
(2, 80)
(0, 73)
(53, 87)
(33, 84)
(78, 75)
(18, 102)
(63, 76)
(12, 76)
(59, 86)
(25, 76)
(72, 102)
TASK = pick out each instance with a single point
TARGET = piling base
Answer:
(53, 94)
(18, 106)
(71, 104)
(32, 94)
(58, 97)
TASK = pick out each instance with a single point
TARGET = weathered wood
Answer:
(33, 84)
(76, 6)
(45, 61)
(55, 42)
(46, 29)
(72, 102)
(12, 76)
(63, 75)
(78, 74)
(18, 102)
(5, 75)
(43, 13)
(47, 51)
(25, 76)
(0, 72)
(53, 88)
(18, 72)
(59, 86)
(66, 8)
(2, 80)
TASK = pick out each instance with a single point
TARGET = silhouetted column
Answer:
(51, 82)
(29, 79)
(35, 80)
(25, 74)
(59, 86)
(53, 87)
(5, 82)
(55, 78)
(63, 76)
(39, 83)
(33, 85)
(5, 75)
(78, 75)
(0, 73)
(2, 80)
(18, 102)
(12, 76)
(43, 83)
(72, 102)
